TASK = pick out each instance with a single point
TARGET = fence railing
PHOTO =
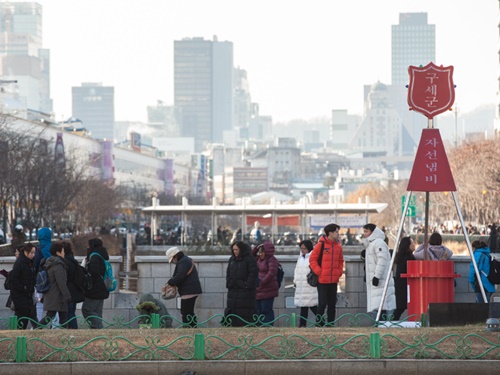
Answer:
(201, 347)
(167, 321)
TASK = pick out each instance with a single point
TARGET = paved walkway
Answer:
(260, 367)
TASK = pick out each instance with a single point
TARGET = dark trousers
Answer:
(304, 311)
(327, 296)
(72, 323)
(189, 318)
(23, 314)
(265, 307)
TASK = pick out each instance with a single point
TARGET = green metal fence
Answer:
(256, 341)
(200, 346)
(219, 320)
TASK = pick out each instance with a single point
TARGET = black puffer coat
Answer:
(186, 284)
(241, 276)
(22, 282)
(75, 291)
(97, 268)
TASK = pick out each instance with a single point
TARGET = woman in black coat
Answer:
(404, 254)
(22, 286)
(75, 291)
(186, 279)
(241, 280)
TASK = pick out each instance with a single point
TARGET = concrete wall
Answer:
(154, 271)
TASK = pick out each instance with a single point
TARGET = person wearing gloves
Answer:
(327, 262)
(306, 296)
(435, 250)
(482, 258)
(268, 287)
(186, 279)
(377, 267)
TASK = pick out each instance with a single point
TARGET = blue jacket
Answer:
(482, 257)
(43, 249)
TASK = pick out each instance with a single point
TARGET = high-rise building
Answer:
(203, 88)
(94, 105)
(413, 43)
(22, 57)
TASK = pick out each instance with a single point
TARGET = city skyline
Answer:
(302, 62)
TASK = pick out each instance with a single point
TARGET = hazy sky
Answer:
(303, 58)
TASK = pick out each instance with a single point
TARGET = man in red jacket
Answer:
(327, 262)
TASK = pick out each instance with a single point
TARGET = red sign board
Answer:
(431, 170)
(431, 90)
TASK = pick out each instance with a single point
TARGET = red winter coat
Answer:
(332, 263)
(268, 268)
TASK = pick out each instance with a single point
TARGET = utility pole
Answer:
(456, 126)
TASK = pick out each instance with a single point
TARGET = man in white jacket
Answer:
(377, 263)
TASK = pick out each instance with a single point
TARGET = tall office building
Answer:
(22, 57)
(413, 43)
(94, 105)
(203, 88)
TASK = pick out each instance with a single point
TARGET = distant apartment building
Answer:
(243, 182)
(343, 128)
(94, 105)
(23, 61)
(163, 120)
(283, 162)
(381, 130)
(203, 89)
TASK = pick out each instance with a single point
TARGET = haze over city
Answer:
(302, 60)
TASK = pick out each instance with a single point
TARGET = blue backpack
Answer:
(109, 279)
(42, 284)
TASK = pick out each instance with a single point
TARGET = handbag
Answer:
(312, 279)
(168, 291)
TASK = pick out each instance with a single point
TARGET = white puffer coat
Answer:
(305, 295)
(377, 262)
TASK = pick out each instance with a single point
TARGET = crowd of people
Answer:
(56, 305)
(251, 279)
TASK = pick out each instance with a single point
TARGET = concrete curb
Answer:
(259, 367)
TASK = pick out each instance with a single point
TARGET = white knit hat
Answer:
(170, 253)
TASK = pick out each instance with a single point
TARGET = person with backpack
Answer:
(482, 258)
(55, 300)
(329, 268)
(268, 288)
(44, 236)
(94, 297)
(22, 286)
(75, 286)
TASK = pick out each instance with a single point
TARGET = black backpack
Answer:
(280, 275)
(494, 274)
(82, 278)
